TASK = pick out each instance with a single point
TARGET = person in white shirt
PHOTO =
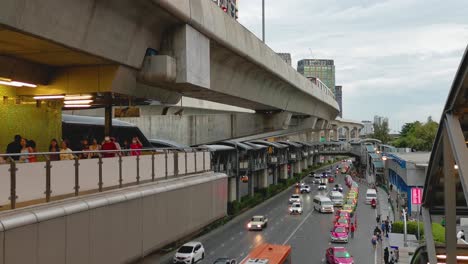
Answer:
(461, 235)
(65, 152)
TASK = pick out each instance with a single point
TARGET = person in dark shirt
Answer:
(14, 147)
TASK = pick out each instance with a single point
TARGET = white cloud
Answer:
(395, 58)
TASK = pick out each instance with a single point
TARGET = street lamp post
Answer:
(263, 21)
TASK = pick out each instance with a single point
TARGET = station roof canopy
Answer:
(453, 130)
(378, 164)
(238, 144)
(255, 146)
(370, 148)
(218, 147)
(269, 143)
(305, 143)
(291, 143)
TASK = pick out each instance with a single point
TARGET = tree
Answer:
(381, 132)
(417, 135)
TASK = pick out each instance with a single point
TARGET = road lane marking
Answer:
(297, 228)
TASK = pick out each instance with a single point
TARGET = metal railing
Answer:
(48, 179)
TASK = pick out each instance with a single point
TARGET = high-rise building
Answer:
(380, 120)
(339, 98)
(368, 127)
(286, 57)
(318, 68)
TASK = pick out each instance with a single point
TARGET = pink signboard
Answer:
(416, 195)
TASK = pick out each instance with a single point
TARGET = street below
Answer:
(308, 234)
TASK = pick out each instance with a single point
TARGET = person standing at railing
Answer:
(117, 144)
(136, 147)
(32, 149)
(24, 151)
(85, 147)
(108, 145)
(66, 152)
(14, 147)
(94, 146)
(53, 147)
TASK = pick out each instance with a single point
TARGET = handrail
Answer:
(94, 174)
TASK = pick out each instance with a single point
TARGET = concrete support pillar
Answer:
(283, 171)
(297, 168)
(232, 189)
(251, 184)
(275, 175)
(348, 134)
(306, 162)
(263, 179)
(327, 135)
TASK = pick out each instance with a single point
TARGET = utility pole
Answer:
(404, 228)
(263, 21)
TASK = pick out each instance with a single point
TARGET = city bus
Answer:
(269, 254)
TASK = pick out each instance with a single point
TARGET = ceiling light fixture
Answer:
(78, 97)
(47, 97)
(16, 84)
(78, 102)
(77, 106)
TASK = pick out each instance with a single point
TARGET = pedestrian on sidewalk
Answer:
(392, 259)
(378, 233)
(387, 228)
(390, 227)
(353, 228)
(374, 241)
(378, 218)
(382, 226)
(386, 255)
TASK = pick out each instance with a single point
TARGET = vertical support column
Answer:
(251, 183)
(108, 116)
(263, 178)
(283, 171)
(232, 189)
(450, 201)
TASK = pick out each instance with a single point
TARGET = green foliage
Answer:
(417, 135)
(438, 231)
(381, 132)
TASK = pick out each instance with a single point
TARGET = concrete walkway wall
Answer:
(113, 227)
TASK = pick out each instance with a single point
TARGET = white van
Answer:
(323, 204)
(337, 198)
(371, 194)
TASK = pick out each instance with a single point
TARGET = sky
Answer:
(394, 58)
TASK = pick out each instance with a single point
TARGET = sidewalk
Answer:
(385, 210)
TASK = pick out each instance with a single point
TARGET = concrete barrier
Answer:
(115, 226)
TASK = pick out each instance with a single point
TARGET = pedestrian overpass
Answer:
(446, 187)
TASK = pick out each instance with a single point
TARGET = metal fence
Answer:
(46, 180)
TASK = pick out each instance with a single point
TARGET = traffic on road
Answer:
(315, 221)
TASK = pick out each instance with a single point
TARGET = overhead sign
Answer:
(416, 195)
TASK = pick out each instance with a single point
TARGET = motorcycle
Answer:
(373, 203)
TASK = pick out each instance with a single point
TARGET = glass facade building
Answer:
(318, 68)
(339, 98)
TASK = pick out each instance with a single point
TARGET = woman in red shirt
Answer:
(136, 147)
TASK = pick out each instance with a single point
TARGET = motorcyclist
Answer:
(373, 203)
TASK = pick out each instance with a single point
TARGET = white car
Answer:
(317, 179)
(190, 252)
(257, 222)
(295, 208)
(295, 198)
(305, 189)
(322, 186)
